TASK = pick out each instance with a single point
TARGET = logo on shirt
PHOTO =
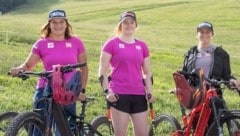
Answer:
(68, 45)
(50, 45)
(120, 45)
(199, 55)
(138, 47)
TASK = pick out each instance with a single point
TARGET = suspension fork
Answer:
(217, 112)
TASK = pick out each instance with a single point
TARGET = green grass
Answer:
(168, 26)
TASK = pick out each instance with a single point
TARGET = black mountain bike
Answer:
(33, 119)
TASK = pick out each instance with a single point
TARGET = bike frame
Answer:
(51, 111)
(81, 123)
(204, 111)
(54, 110)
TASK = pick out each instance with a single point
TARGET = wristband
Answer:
(149, 96)
(106, 91)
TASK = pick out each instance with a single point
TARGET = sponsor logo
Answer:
(50, 45)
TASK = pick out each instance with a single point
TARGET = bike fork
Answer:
(217, 114)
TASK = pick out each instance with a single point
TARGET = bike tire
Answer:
(102, 125)
(5, 119)
(164, 125)
(25, 120)
(230, 123)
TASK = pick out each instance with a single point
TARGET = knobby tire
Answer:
(164, 125)
(5, 119)
(102, 125)
(25, 120)
(230, 123)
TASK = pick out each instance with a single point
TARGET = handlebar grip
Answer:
(151, 105)
(23, 75)
(152, 114)
(83, 90)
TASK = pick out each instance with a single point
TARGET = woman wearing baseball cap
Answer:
(128, 59)
(214, 60)
(57, 45)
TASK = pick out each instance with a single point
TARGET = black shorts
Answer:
(131, 103)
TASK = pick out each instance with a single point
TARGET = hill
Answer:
(168, 26)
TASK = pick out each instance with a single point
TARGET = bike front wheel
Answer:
(30, 120)
(164, 125)
(5, 119)
(101, 126)
(229, 125)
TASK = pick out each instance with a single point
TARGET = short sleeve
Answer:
(36, 48)
(108, 46)
(146, 52)
(80, 45)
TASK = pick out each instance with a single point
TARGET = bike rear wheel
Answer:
(164, 125)
(101, 126)
(18, 125)
(230, 125)
(5, 119)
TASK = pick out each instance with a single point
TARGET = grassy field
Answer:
(168, 26)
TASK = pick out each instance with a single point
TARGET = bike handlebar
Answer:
(64, 69)
(212, 82)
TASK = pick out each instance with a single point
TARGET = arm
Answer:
(185, 62)
(189, 62)
(84, 70)
(28, 65)
(83, 58)
(102, 72)
(227, 74)
(148, 77)
(226, 67)
(103, 67)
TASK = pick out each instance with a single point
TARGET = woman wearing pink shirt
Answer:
(129, 62)
(57, 45)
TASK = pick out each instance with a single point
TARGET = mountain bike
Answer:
(208, 117)
(33, 120)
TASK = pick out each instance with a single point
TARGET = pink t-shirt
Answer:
(126, 65)
(57, 52)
